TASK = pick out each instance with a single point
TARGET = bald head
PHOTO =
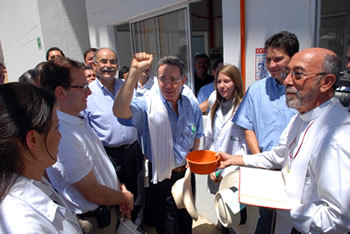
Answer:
(312, 75)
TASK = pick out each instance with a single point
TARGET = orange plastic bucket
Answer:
(202, 161)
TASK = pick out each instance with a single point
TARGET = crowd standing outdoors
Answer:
(82, 150)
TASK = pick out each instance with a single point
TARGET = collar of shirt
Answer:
(36, 194)
(169, 103)
(74, 120)
(117, 85)
(148, 85)
(279, 87)
(316, 112)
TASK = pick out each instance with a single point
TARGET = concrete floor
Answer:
(201, 226)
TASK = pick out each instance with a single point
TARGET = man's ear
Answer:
(327, 82)
(60, 93)
(184, 80)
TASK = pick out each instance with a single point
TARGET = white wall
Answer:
(64, 25)
(264, 18)
(60, 23)
(20, 28)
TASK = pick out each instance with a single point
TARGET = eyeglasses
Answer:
(299, 75)
(83, 87)
(171, 81)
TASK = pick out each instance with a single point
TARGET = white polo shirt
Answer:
(80, 151)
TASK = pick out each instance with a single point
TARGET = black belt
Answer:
(122, 147)
(295, 231)
(93, 213)
(88, 214)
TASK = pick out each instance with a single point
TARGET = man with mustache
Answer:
(120, 141)
(263, 112)
(313, 152)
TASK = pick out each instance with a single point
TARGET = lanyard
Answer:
(290, 152)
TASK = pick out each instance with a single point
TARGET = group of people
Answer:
(75, 152)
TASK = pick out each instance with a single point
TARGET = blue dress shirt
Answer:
(185, 127)
(264, 110)
(101, 117)
(205, 92)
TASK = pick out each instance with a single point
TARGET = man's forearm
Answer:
(196, 144)
(252, 141)
(94, 192)
(121, 106)
(106, 196)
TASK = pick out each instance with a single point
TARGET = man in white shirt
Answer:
(313, 152)
(83, 173)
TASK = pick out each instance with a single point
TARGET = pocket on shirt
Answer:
(189, 134)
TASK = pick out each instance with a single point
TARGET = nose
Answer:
(272, 64)
(288, 81)
(88, 92)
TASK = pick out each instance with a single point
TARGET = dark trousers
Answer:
(128, 162)
(161, 210)
(266, 221)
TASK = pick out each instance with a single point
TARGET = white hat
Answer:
(232, 214)
(182, 194)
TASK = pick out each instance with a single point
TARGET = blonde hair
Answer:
(235, 75)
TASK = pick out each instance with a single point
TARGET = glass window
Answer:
(162, 35)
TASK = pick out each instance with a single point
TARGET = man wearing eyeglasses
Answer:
(314, 151)
(120, 142)
(171, 124)
(83, 173)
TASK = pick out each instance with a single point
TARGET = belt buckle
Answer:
(127, 147)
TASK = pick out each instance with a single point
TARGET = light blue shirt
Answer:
(101, 117)
(205, 92)
(185, 127)
(264, 110)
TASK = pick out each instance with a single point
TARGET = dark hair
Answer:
(52, 49)
(235, 75)
(216, 64)
(23, 107)
(30, 76)
(122, 71)
(197, 57)
(284, 40)
(172, 60)
(57, 73)
(2, 65)
(39, 66)
(87, 68)
(89, 50)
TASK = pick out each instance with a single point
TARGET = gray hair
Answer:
(97, 51)
(332, 65)
(172, 60)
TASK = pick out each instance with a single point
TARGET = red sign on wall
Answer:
(260, 68)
